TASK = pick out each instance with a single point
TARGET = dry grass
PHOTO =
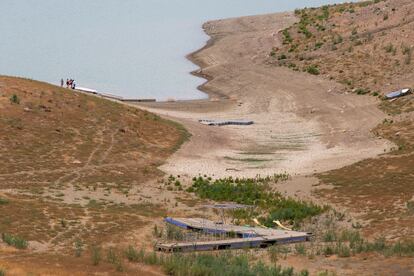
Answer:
(380, 189)
(70, 162)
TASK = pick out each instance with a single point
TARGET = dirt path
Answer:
(302, 125)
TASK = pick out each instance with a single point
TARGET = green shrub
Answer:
(313, 69)
(410, 206)
(304, 30)
(300, 249)
(4, 201)
(328, 250)
(133, 255)
(78, 247)
(318, 45)
(112, 258)
(407, 51)
(287, 39)
(343, 250)
(2, 272)
(222, 264)
(325, 13)
(401, 248)
(329, 236)
(174, 233)
(14, 241)
(358, 43)
(354, 31)
(96, 255)
(256, 192)
(152, 259)
(282, 56)
(14, 99)
(362, 91)
(389, 48)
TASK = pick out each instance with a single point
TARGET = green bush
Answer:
(287, 39)
(348, 242)
(389, 48)
(318, 45)
(313, 69)
(3, 201)
(78, 248)
(300, 249)
(282, 56)
(343, 250)
(225, 264)
(407, 51)
(362, 91)
(174, 233)
(256, 192)
(2, 272)
(329, 236)
(96, 255)
(328, 250)
(14, 241)
(14, 99)
(304, 30)
(134, 255)
(410, 206)
(112, 258)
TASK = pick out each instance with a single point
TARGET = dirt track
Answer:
(302, 124)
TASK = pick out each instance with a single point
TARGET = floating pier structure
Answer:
(87, 90)
(114, 97)
(139, 100)
(226, 122)
(241, 236)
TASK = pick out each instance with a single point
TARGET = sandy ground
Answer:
(302, 124)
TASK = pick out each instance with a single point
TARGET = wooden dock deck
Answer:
(246, 237)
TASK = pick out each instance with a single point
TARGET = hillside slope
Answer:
(368, 47)
(74, 169)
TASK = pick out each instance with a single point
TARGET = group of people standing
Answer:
(70, 83)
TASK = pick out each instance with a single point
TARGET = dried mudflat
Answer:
(303, 124)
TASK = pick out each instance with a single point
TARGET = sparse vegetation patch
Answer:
(256, 192)
(346, 42)
(14, 241)
(209, 264)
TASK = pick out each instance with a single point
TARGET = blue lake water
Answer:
(131, 48)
